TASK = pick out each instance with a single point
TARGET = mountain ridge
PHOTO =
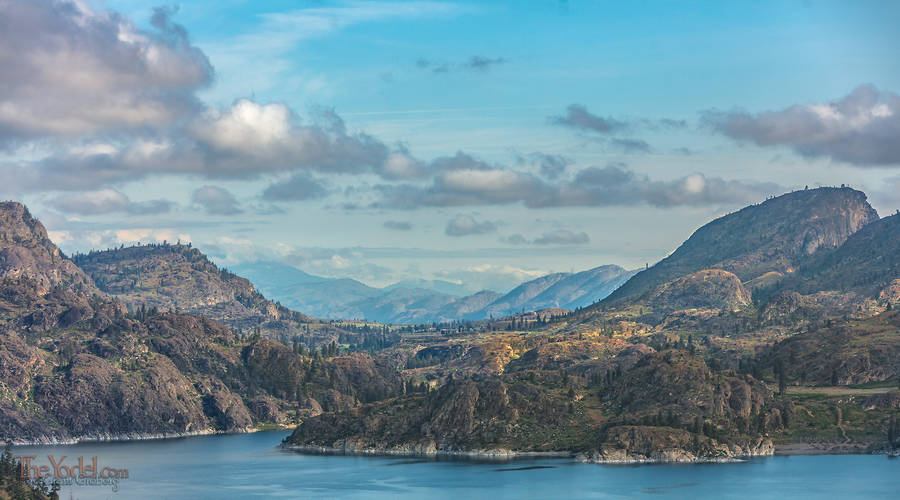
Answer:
(347, 298)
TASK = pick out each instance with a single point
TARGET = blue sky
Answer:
(481, 142)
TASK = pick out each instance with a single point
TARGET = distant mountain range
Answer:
(426, 301)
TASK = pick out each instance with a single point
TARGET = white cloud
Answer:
(247, 127)
(69, 71)
(861, 128)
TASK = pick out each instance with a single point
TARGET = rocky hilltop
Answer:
(181, 278)
(772, 238)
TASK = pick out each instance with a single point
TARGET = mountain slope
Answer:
(775, 236)
(582, 289)
(518, 298)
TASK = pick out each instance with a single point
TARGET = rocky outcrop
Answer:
(265, 409)
(884, 401)
(706, 289)
(27, 252)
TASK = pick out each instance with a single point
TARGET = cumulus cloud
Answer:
(466, 225)
(298, 187)
(120, 105)
(475, 63)
(69, 71)
(397, 225)
(243, 141)
(108, 201)
(861, 128)
(216, 200)
(338, 263)
(401, 165)
(613, 185)
(557, 237)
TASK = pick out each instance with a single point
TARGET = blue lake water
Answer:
(252, 466)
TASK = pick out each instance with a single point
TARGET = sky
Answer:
(484, 143)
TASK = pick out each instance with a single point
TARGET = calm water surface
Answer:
(252, 466)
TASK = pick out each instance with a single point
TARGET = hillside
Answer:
(581, 289)
(75, 364)
(776, 236)
(181, 278)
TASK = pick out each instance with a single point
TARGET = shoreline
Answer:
(824, 448)
(786, 449)
(491, 455)
(134, 437)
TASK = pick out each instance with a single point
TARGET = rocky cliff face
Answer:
(776, 236)
(865, 265)
(27, 253)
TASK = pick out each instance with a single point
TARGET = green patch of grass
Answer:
(876, 385)
(268, 426)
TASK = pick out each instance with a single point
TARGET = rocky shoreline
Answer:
(138, 436)
(427, 451)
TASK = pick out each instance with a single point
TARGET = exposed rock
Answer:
(707, 289)
(26, 251)
(265, 409)
(226, 409)
(639, 444)
(884, 401)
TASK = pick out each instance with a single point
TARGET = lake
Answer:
(252, 466)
